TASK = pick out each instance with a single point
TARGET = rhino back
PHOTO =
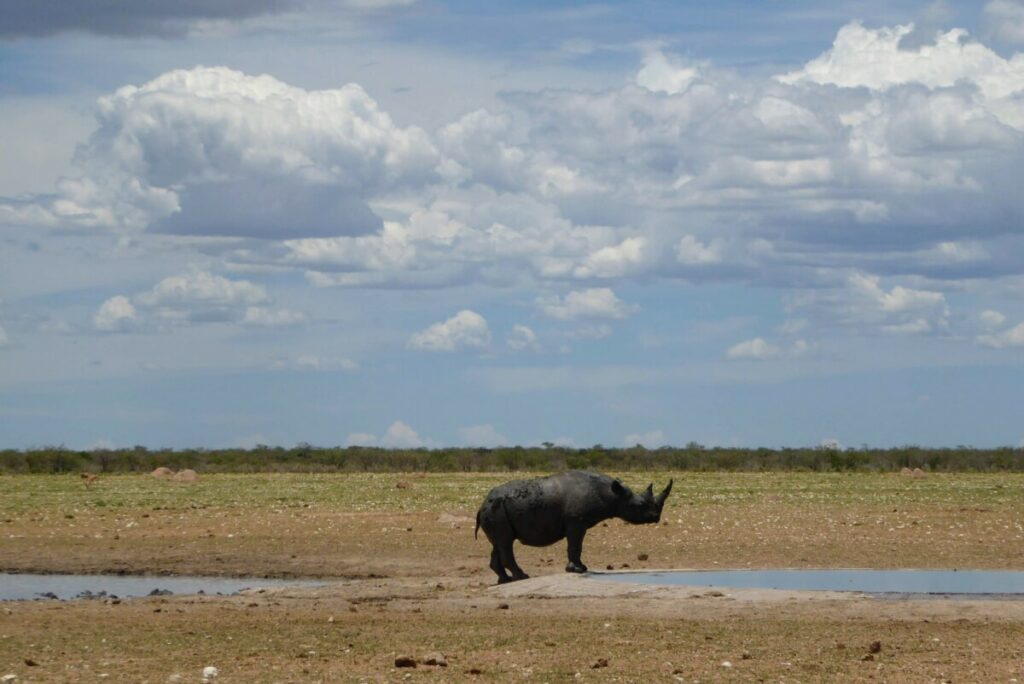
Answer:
(539, 511)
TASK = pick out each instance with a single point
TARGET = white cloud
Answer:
(482, 436)
(873, 58)
(691, 252)
(401, 436)
(651, 440)
(662, 74)
(522, 337)
(992, 319)
(315, 363)
(1014, 337)
(860, 302)
(272, 318)
(192, 298)
(115, 314)
(614, 260)
(756, 349)
(1004, 20)
(216, 151)
(599, 302)
(465, 330)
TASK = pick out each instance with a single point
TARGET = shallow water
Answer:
(15, 587)
(975, 582)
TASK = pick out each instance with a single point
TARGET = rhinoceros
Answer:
(544, 510)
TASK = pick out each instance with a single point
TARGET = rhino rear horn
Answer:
(664, 494)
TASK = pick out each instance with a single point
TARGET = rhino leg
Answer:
(497, 567)
(574, 536)
(508, 559)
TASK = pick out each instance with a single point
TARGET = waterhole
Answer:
(992, 583)
(17, 587)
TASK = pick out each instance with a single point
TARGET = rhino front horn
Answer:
(664, 494)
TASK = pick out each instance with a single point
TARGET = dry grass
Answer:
(431, 593)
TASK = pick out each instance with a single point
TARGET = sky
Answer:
(410, 223)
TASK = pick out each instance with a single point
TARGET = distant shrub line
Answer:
(307, 458)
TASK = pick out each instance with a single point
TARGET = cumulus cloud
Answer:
(482, 436)
(1004, 20)
(115, 314)
(190, 298)
(598, 302)
(651, 440)
(465, 330)
(1013, 337)
(992, 319)
(663, 74)
(213, 151)
(862, 302)
(756, 349)
(401, 436)
(522, 337)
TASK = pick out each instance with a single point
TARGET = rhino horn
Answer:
(664, 494)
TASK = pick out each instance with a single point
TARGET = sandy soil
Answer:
(410, 580)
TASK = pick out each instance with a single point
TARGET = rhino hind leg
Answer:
(508, 560)
(497, 567)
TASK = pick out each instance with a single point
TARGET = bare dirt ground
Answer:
(408, 579)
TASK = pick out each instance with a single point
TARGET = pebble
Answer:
(436, 658)
(405, 661)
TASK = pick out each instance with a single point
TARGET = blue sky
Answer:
(418, 223)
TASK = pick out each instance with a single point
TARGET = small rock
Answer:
(502, 606)
(31, 663)
(474, 671)
(746, 655)
(435, 658)
(642, 557)
(609, 567)
(161, 592)
(601, 662)
(875, 647)
(210, 672)
(726, 663)
(405, 661)
(330, 619)
(677, 671)
(8, 678)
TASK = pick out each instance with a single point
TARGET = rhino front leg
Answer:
(574, 536)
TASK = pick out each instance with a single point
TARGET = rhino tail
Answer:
(477, 528)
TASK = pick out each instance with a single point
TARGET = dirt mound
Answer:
(187, 475)
(162, 472)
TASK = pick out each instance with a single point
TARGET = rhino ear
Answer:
(618, 489)
(649, 492)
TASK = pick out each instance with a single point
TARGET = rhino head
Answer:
(639, 508)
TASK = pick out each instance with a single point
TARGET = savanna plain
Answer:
(404, 577)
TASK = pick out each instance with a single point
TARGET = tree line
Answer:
(545, 458)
